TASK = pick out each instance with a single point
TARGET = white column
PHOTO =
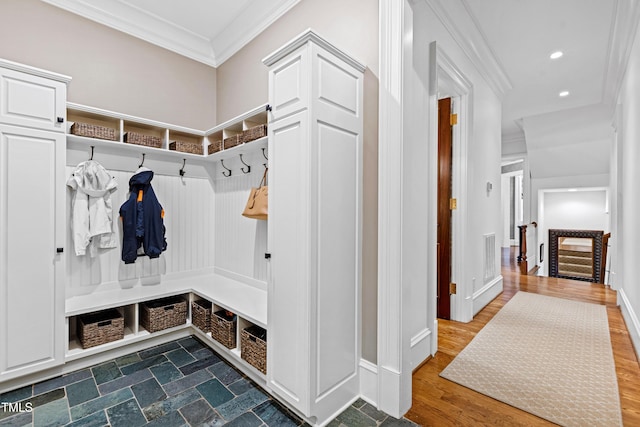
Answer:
(394, 371)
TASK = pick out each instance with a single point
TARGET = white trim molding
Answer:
(394, 362)
(369, 382)
(457, 18)
(139, 23)
(487, 293)
(460, 89)
(623, 33)
(630, 318)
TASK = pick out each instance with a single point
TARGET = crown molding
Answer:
(248, 26)
(623, 33)
(457, 18)
(138, 23)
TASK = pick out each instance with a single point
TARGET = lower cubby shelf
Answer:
(227, 340)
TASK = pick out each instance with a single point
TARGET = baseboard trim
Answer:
(369, 382)
(486, 294)
(420, 347)
(631, 319)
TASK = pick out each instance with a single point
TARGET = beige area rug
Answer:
(548, 356)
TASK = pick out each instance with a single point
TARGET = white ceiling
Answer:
(517, 37)
(522, 35)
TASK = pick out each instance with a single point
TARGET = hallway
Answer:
(439, 402)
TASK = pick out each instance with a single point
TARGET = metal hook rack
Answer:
(182, 171)
(228, 170)
(248, 166)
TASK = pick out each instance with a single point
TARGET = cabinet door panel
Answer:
(31, 302)
(32, 101)
(288, 321)
(337, 237)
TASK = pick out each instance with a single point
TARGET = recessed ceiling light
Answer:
(564, 93)
(556, 54)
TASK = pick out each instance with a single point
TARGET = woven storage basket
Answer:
(254, 133)
(223, 328)
(215, 146)
(186, 147)
(253, 347)
(142, 139)
(93, 131)
(100, 327)
(201, 315)
(232, 141)
(163, 313)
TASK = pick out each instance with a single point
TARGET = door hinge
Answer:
(452, 288)
(453, 204)
(454, 119)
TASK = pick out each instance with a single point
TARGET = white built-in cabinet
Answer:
(32, 219)
(305, 290)
(314, 231)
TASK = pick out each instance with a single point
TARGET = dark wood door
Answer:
(444, 208)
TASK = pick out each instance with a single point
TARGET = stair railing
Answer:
(522, 247)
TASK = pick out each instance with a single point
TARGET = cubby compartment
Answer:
(224, 326)
(91, 125)
(185, 143)
(101, 328)
(232, 136)
(253, 345)
(141, 134)
(163, 313)
(201, 314)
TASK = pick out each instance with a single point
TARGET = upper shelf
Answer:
(165, 134)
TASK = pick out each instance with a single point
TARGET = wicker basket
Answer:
(93, 131)
(201, 315)
(223, 328)
(142, 139)
(163, 313)
(186, 147)
(254, 133)
(232, 141)
(253, 347)
(215, 146)
(100, 328)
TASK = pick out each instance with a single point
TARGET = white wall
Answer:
(628, 196)
(483, 156)
(574, 210)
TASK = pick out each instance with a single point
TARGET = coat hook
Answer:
(92, 147)
(182, 171)
(228, 170)
(248, 166)
(141, 163)
(264, 155)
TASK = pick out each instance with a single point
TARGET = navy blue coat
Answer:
(142, 219)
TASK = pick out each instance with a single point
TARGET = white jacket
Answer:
(91, 210)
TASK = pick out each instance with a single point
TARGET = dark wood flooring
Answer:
(439, 402)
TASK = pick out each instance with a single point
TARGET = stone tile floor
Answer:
(181, 383)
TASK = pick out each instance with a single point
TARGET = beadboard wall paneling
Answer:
(240, 243)
(189, 222)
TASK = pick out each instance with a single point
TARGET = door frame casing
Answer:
(449, 77)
